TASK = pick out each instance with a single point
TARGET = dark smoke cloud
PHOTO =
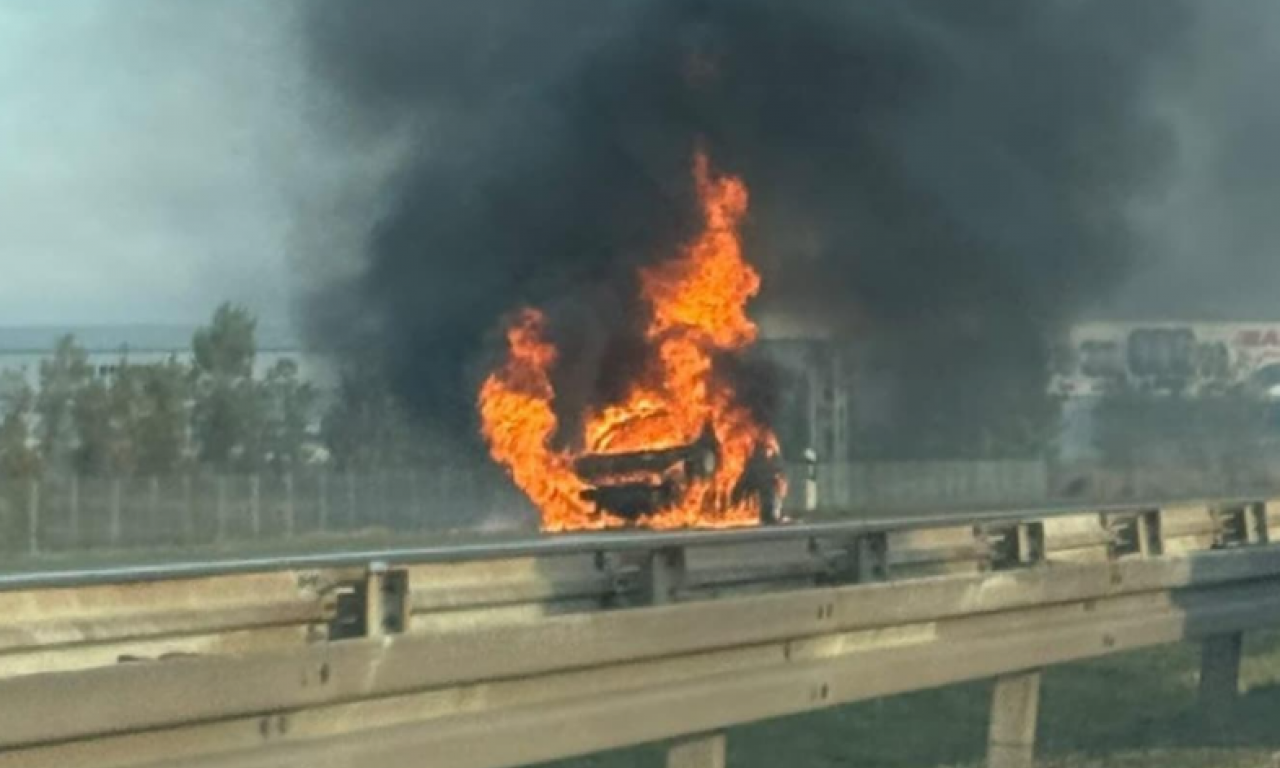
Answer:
(949, 181)
(1214, 235)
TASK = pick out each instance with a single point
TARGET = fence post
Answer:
(153, 502)
(322, 507)
(255, 513)
(33, 516)
(114, 529)
(447, 507)
(382, 507)
(73, 512)
(415, 514)
(288, 505)
(188, 512)
(1011, 736)
(351, 501)
(220, 511)
(700, 752)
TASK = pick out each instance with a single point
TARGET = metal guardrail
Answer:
(512, 653)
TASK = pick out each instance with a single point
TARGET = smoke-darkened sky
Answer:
(157, 157)
(1212, 245)
(955, 182)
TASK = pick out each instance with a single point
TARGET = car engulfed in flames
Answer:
(679, 449)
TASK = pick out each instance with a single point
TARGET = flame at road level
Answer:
(697, 303)
(518, 421)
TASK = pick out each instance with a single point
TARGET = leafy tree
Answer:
(365, 426)
(124, 398)
(17, 456)
(227, 403)
(157, 399)
(288, 403)
(96, 431)
(62, 378)
(135, 420)
(225, 413)
(227, 346)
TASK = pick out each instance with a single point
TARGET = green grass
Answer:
(1135, 710)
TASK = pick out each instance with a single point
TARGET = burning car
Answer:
(639, 484)
(679, 448)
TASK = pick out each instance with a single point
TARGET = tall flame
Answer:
(697, 302)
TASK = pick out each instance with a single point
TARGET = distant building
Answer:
(828, 390)
(1172, 355)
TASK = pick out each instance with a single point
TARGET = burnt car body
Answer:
(636, 484)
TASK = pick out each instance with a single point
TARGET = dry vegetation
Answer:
(1131, 711)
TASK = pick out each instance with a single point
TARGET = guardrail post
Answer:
(1011, 736)
(1264, 520)
(374, 613)
(872, 557)
(700, 752)
(385, 600)
(1219, 676)
(664, 575)
(1151, 533)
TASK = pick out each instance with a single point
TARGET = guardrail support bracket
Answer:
(872, 557)
(1011, 736)
(1241, 525)
(665, 571)
(1013, 546)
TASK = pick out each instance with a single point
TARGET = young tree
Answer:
(289, 403)
(96, 431)
(17, 456)
(62, 378)
(227, 402)
(158, 397)
(227, 346)
(365, 427)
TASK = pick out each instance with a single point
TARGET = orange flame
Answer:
(698, 310)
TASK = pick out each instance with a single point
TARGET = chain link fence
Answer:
(88, 514)
(72, 514)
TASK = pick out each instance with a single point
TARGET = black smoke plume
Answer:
(947, 181)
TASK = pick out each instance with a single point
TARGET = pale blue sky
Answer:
(151, 153)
